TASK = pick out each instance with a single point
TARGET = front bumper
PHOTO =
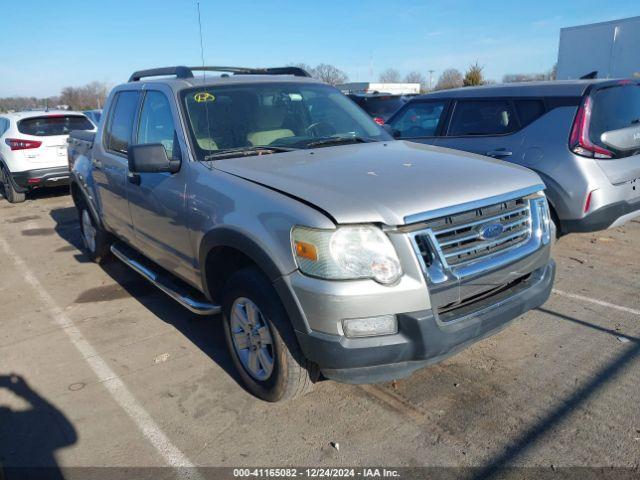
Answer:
(422, 338)
(48, 177)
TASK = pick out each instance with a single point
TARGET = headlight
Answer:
(540, 202)
(347, 253)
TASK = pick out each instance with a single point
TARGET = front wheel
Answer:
(261, 340)
(94, 238)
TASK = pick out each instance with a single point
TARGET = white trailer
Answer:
(379, 87)
(612, 49)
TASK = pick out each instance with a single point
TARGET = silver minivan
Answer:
(581, 136)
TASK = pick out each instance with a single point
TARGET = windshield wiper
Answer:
(245, 152)
(338, 140)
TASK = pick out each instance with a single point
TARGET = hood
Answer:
(381, 182)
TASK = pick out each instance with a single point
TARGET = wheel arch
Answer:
(80, 196)
(241, 250)
(237, 250)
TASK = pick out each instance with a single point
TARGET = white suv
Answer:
(33, 149)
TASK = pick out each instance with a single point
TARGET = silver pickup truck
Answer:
(330, 249)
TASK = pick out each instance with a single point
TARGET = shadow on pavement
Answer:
(30, 436)
(204, 332)
(608, 374)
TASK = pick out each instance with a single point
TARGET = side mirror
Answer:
(391, 131)
(151, 158)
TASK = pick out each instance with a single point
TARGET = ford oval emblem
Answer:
(490, 230)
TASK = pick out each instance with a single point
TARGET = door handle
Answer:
(499, 153)
(134, 178)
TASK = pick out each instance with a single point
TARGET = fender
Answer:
(77, 180)
(227, 237)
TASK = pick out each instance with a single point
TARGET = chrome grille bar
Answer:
(458, 238)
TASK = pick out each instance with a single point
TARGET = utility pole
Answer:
(430, 79)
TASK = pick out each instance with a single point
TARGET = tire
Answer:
(96, 241)
(556, 223)
(290, 375)
(10, 193)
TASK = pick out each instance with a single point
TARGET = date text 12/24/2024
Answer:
(315, 472)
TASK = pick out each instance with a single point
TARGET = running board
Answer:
(180, 296)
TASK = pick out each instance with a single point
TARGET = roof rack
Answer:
(187, 72)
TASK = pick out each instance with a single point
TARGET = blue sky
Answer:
(47, 45)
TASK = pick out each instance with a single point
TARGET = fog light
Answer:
(370, 326)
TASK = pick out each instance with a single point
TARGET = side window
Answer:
(119, 130)
(482, 117)
(156, 121)
(4, 126)
(529, 110)
(419, 119)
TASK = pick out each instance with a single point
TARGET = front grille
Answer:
(459, 238)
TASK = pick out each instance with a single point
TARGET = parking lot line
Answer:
(597, 302)
(114, 385)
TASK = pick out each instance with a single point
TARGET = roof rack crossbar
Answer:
(296, 71)
(179, 72)
(187, 72)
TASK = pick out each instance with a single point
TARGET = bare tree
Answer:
(87, 97)
(329, 74)
(417, 77)
(473, 76)
(450, 78)
(531, 77)
(390, 75)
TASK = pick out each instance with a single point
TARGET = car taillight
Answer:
(379, 120)
(16, 144)
(579, 141)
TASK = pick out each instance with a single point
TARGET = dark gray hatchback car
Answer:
(582, 137)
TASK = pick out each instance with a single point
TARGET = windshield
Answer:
(285, 115)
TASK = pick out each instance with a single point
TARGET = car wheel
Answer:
(261, 339)
(10, 193)
(95, 240)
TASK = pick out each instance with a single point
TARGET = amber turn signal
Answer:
(306, 250)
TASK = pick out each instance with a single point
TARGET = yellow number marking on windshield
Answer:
(201, 97)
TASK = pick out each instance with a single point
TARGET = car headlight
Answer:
(540, 202)
(347, 253)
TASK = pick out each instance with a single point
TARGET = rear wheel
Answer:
(11, 194)
(261, 340)
(96, 241)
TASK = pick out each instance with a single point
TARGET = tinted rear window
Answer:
(613, 108)
(119, 131)
(482, 117)
(529, 110)
(382, 107)
(51, 125)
